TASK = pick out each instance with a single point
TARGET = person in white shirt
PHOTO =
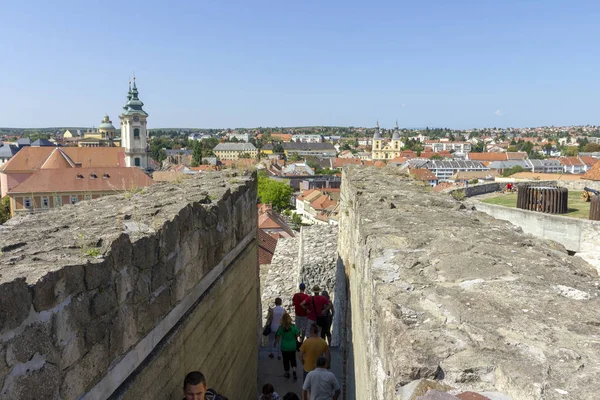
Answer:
(320, 384)
(274, 318)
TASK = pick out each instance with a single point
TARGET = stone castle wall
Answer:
(310, 257)
(120, 297)
(442, 292)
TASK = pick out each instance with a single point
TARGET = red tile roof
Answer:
(423, 174)
(271, 220)
(588, 160)
(340, 162)
(82, 180)
(593, 174)
(569, 161)
(30, 159)
(266, 247)
(487, 156)
(516, 155)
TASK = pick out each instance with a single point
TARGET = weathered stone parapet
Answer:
(82, 287)
(442, 292)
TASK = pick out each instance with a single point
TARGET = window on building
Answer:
(45, 202)
(87, 197)
(27, 202)
(136, 133)
(74, 199)
(136, 161)
(57, 201)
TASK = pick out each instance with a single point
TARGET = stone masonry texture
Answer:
(442, 292)
(83, 286)
(310, 257)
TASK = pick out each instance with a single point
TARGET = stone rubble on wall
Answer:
(310, 257)
(279, 279)
(319, 255)
(442, 292)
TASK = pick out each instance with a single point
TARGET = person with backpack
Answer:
(273, 319)
(288, 333)
(316, 306)
(195, 388)
(301, 313)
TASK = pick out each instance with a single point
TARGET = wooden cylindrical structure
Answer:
(595, 208)
(547, 199)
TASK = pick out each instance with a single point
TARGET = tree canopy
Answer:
(270, 191)
(4, 209)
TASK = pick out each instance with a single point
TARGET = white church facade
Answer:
(134, 132)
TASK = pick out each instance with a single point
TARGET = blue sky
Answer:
(212, 64)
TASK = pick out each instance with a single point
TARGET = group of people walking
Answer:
(314, 317)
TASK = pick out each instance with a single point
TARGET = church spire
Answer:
(396, 127)
(377, 131)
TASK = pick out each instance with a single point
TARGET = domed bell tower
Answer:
(134, 134)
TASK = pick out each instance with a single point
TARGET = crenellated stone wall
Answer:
(439, 291)
(120, 297)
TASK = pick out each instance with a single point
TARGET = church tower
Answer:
(134, 134)
(377, 143)
(396, 140)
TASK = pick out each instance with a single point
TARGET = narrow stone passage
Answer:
(271, 371)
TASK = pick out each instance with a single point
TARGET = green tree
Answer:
(436, 157)
(591, 147)
(197, 154)
(294, 157)
(571, 151)
(278, 194)
(4, 209)
(278, 148)
(512, 170)
(297, 220)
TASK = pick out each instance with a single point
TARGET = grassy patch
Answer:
(577, 207)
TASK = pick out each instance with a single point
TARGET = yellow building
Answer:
(385, 149)
(104, 136)
(233, 151)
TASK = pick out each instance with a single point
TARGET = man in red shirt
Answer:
(315, 306)
(301, 314)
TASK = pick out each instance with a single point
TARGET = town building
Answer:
(7, 151)
(548, 166)
(104, 136)
(50, 187)
(444, 170)
(457, 147)
(308, 138)
(72, 134)
(200, 136)
(243, 137)
(31, 159)
(134, 133)
(384, 149)
(317, 206)
(234, 151)
(272, 223)
(424, 175)
(322, 150)
(573, 165)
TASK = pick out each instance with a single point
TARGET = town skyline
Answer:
(467, 65)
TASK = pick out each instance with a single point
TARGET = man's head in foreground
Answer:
(194, 386)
